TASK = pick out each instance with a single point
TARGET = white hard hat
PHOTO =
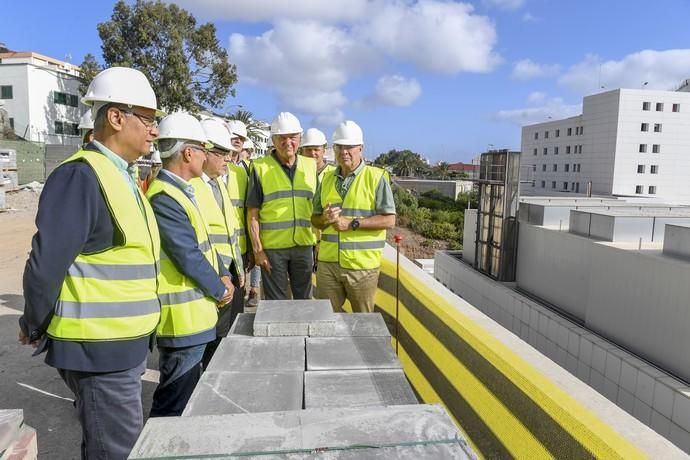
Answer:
(348, 133)
(237, 129)
(248, 145)
(313, 137)
(183, 127)
(156, 157)
(217, 133)
(285, 123)
(121, 85)
(86, 122)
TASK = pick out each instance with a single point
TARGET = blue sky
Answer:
(445, 79)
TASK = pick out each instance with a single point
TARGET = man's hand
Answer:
(331, 214)
(229, 291)
(342, 224)
(241, 281)
(24, 340)
(261, 260)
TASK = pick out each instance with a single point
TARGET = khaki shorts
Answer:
(337, 284)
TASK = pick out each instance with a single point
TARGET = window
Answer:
(565, 186)
(578, 167)
(639, 189)
(546, 150)
(534, 182)
(676, 108)
(567, 167)
(555, 168)
(652, 189)
(534, 168)
(558, 131)
(644, 127)
(643, 148)
(570, 131)
(656, 148)
(646, 105)
(567, 149)
(534, 151)
(654, 169)
(536, 136)
(582, 130)
(12, 123)
(640, 169)
(58, 127)
(572, 186)
(65, 99)
(543, 184)
(577, 187)
(659, 106)
(657, 127)
(543, 168)
(546, 134)
(63, 127)
(553, 184)
(555, 150)
(6, 92)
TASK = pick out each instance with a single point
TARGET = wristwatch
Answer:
(354, 224)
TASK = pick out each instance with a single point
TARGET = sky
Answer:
(446, 79)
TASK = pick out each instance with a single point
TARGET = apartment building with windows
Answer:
(41, 97)
(626, 142)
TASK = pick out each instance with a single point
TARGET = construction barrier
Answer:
(506, 407)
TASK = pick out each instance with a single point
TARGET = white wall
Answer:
(17, 107)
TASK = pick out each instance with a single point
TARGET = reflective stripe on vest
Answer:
(111, 295)
(285, 214)
(237, 181)
(222, 223)
(187, 315)
(353, 249)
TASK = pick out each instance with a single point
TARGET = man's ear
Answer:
(114, 117)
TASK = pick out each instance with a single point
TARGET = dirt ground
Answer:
(16, 229)
(414, 246)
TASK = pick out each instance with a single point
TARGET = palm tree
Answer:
(256, 130)
(441, 170)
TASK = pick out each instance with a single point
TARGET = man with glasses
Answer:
(91, 278)
(279, 203)
(216, 207)
(194, 281)
(353, 206)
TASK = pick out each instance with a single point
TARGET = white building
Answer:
(41, 96)
(627, 142)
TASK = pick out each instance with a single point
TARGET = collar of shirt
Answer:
(112, 156)
(357, 170)
(205, 178)
(183, 184)
(274, 154)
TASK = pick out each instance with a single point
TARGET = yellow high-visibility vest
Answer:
(188, 316)
(326, 169)
(237, 182)
(285, 214)
(111, 295)
(353, 249)
(222, 224)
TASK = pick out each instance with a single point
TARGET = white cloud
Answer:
(392, 90)
(527, 69)
(661, 69)
(271, 10)
(529, 17)
(541, 108)
(505, 4)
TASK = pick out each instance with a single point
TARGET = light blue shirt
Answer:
(186, 187)
(122, 166)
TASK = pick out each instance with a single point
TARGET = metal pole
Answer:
(397, 239)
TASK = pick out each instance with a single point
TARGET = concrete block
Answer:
(352, 325)
(243, 325)
(598, 358)
(613, 368)
(220, 393)
(573, 343)
(646, 379)
(356, 388)
(626, 400)
(455, 450)
(543, 324)
(585, 349)
(628, 379)
(679, 437)
(332, 353)
(681, 409)
(660, 423)
(664, 396)
(583, 371)
(596, 380)
(291, 317)
(259, 354)
(610, 390)
(642, 412)
(571, 364)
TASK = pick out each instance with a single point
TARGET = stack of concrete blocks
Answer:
(416, 432)
(8, 174)
(293, 318)
(17, 440)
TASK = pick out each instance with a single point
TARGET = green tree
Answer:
(185, 63)
(403, 162)
(441, 170)
(255, 129)
(89, 69)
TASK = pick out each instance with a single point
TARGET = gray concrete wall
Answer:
(677, 241)
(449, 188)
(469, 235)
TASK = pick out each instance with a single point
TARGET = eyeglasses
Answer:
(148, 122)
(197, 148)
(219, 153)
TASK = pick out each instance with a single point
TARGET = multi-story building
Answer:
(41, 97)
(626, 142)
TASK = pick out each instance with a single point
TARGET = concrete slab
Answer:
(259, 354)
(353, 325)
(330, 353)
(358, 388)
(405, 429)
(220, 393)
(292, 317)
(243, 325)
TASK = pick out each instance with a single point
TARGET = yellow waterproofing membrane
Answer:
(506, 407)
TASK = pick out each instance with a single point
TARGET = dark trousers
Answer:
(180, 370)
(290, 269)
(226, 318)
(109, 409)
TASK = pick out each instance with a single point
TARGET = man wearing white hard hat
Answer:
(238, 136)
(353, 207)
(279, 204)
(217, 209)
(90, 284)
(86, 127)
(314, 146)
(194, 281)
